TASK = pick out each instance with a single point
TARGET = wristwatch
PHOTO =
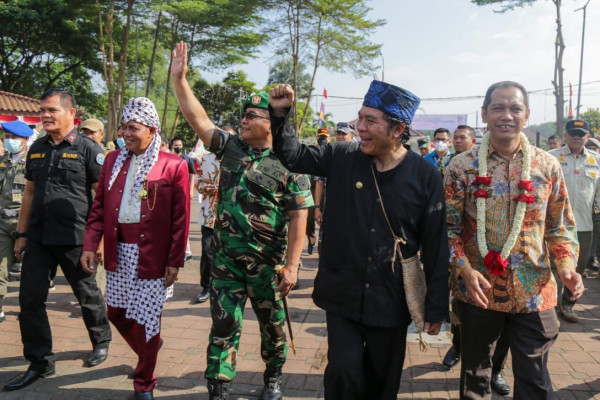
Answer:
(18, 235)
(317, 206)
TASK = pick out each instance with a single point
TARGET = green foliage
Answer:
(222, 102)
(49, 43)
(283, 72)
(506, 5)
(592, 116)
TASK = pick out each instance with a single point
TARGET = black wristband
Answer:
(18, 235)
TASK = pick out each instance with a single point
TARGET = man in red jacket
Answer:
(142, 194)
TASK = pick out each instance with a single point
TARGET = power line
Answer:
(454, 98)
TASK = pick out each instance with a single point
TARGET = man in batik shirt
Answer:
(508, 216)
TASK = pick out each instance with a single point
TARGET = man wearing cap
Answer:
(12, 185)
(389, 205)
(344, 132)
(425, 145)
(581, 168)
(94, 129)
(62, 168)
(257, 198)
(508, 219)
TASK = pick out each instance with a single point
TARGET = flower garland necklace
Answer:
(495, 261)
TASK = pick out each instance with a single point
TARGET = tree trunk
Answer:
(174, 30)
(558, 72)
(312, 81)
(120, 89)
(153, 57)
(108, 68)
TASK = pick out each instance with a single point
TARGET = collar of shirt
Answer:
(567, 151)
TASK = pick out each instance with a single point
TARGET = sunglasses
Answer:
(578, 133)
(250, 116)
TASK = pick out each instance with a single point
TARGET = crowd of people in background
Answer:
(500, 233)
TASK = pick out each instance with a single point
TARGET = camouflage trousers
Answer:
(232, 282)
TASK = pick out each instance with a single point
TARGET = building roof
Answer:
(16, 104)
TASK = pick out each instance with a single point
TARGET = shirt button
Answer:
(367, 285)
(115, 228)
(120, 191)
(143, 215)
(370, 259)
(142, 235)
(124, 172)
(377, 200)
(117, 209)
(372, 230)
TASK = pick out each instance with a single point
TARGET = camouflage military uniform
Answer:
(255, 193)
(12, 186)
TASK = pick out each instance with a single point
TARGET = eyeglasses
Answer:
(250, 116)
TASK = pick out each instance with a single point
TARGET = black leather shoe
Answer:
(451, 358)
(203, 297)
(272, 390)
(310, 248)
(144, 396)
(98, 355)
(499, 384)
(26, 379)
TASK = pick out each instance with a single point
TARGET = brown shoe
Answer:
(569, 315)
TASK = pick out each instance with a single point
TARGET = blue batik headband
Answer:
(393, 100)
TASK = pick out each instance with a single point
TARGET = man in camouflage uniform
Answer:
(257, 197)
(12, 184)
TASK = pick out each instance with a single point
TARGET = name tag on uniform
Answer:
(16, 195)
(70, 155)
(2, 165)
(37, 155)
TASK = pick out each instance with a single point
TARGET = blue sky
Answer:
(452, 48)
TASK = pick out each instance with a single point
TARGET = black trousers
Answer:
(39, 264)
(530, 337)
(500, 353)
(364, 362)
(207, 260)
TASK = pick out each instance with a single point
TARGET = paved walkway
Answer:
(574, 360)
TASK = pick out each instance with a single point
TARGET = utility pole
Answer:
(584, 8)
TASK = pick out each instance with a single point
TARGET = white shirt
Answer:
(129, 212)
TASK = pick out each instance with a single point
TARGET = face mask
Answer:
(120, 143)
(440, 146)
(13, 145)
(177, 150)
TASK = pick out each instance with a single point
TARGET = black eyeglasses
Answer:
(250, 116)
(578, 133)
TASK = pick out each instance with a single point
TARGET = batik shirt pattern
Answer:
(548, 230)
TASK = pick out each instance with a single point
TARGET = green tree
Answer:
(592, 116)
(559, 49)
(222, 32)
(222, 102)
(333, 34)
(283, 72)
(40, 48)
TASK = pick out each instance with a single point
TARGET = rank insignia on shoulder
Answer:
(100, 158)
(71, 137)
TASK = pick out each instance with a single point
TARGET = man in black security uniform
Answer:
(62, 169)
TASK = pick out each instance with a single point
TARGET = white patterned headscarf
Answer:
(143, 111)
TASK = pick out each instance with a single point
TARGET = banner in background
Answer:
(430, 122)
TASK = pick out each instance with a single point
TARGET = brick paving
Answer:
(574, 360)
